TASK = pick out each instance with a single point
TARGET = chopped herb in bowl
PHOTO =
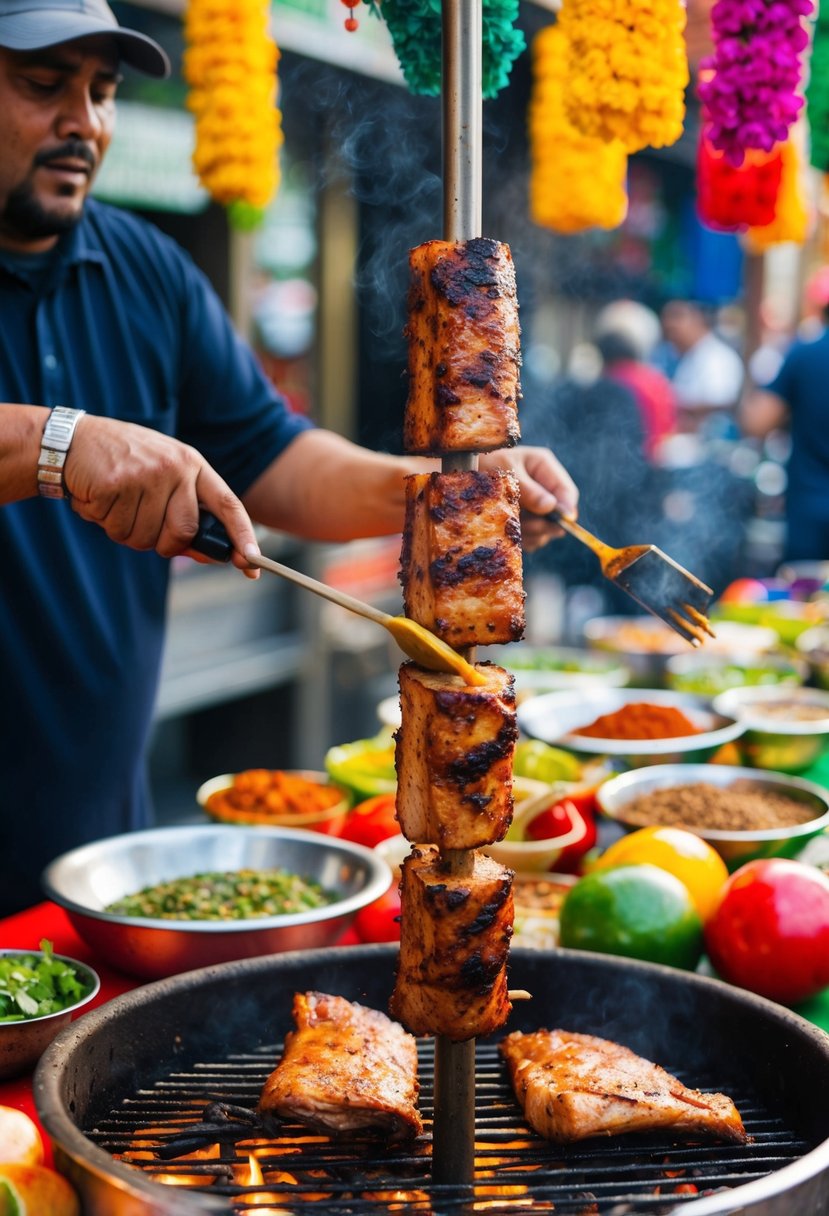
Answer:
(229, 895)
(35, 985)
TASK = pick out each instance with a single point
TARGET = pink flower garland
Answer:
(749, 86)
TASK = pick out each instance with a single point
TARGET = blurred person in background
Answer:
(798, 399)
(626, 333)
(709, 374)
(129, 404)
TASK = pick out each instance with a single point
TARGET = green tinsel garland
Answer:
(415, 31)
(817, 93)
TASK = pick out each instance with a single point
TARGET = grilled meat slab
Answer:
(454, 757)
(455, 932)
(461, 563)
(571, 1086)
(345, 1068)
(464, 348)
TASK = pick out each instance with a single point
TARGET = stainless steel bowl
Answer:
(813, 646)
(708, 675)
(553, 716)
(23, 1043)
(88, 879)
(645, 644)
(735, 847)
(772, 740)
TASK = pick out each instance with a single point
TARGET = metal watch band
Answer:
(55, 443)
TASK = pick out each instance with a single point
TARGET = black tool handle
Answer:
(212, 539)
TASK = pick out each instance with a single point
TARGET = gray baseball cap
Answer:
(30, 25)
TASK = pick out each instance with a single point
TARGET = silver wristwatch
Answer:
(57, 436)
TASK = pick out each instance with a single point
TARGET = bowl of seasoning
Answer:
(40, 993)
(785, 729)
(547, 668)
(172, 899)
(276, 798)
(645, 644)
(708, 675)
(743, 813)
(634, 727)
(813, 647)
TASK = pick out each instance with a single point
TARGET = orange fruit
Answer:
(684, 854)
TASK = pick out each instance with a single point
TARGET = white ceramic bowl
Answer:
(554, 717)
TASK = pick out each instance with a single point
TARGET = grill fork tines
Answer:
(609, 1177)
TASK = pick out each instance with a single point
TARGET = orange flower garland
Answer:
(230, 65)
(791, 218)
(576, 181)
(628, 70)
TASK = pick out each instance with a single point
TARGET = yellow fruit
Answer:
(20, 1138)
(684, 854)
(35, 1190)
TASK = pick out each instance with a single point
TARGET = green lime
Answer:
(542, 762)
(9, 1200)
(640, 911)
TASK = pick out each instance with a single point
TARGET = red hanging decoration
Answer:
(351, 23)
(732, 198)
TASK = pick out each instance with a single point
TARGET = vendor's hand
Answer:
(544, 484)
(145, 489)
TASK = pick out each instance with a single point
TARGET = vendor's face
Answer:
(58, 108)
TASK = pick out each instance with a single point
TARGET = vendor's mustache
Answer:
(73, 149)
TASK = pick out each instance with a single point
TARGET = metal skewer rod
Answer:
(453, 1139)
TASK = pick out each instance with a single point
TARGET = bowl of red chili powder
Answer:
(634, 726)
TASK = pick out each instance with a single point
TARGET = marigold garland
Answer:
(230, 65)
(749, 86)
(817, 92)
(415, 29)
(791, 216)
(628, 70)
(576, 182)
(732, 198)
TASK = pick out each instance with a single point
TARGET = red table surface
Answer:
(24, 931)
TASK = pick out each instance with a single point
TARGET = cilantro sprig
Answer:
(34, 985)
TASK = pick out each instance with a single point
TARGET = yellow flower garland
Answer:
(791, 218)
(230, 65)
(576, 182)
(628, 70)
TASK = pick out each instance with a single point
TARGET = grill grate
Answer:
(647, 1174)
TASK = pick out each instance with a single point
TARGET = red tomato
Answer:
(379, 922)
(371, 821)
(770, 933)
(557, 820)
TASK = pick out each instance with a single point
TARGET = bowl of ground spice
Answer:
(786, 729)
(634, 726)
(743, 813)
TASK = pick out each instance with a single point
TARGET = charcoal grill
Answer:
(146, 1065)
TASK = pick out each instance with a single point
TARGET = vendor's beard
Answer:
(24, 215)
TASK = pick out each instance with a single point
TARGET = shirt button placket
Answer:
(52, 369)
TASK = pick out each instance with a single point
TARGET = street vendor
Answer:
(130, 403)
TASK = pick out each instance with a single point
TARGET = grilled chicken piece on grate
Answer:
(345, 1068)
(454, 940)
(571, 1086)
(454, 757)
(464, 348)
(461, 563)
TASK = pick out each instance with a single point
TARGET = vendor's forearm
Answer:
(21, 430)
(324, 487)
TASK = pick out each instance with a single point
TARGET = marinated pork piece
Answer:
(461, 563)
(454, 757)
(571, 1086)
(464, 348)
(345, 1068)
(455, 933)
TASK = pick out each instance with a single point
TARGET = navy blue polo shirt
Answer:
(121, 323)
(803, 383)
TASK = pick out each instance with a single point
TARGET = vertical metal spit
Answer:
(453, 1142)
